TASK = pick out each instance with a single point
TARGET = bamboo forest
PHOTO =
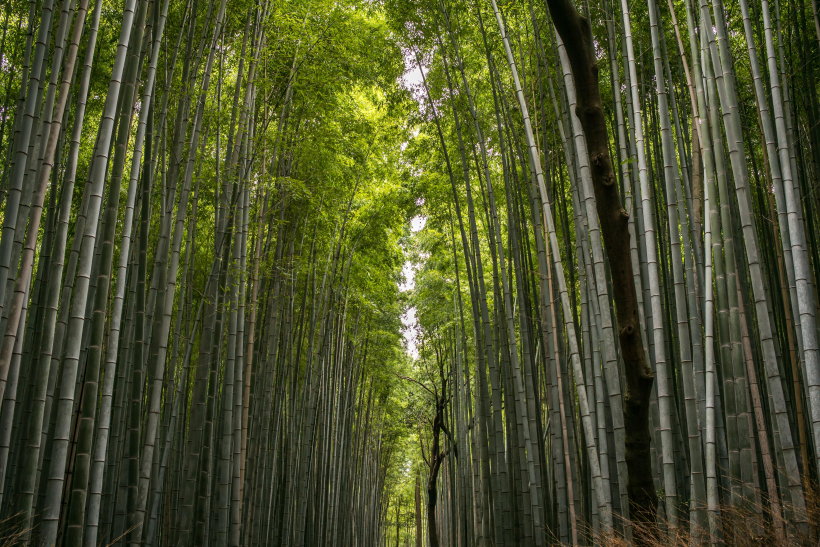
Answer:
(409, 273)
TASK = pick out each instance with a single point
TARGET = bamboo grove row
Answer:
(711, 110)
(188, 344)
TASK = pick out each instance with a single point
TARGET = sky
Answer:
(409, 271)
(411, 80)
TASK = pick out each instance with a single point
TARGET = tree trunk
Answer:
(576, 33)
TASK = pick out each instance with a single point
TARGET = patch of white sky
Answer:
(412, 81)
(410, 330)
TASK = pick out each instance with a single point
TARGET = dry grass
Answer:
(749, 525)
(12, 532)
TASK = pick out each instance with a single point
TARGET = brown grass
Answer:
(744, 525)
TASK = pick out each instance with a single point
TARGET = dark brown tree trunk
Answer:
(576, 33)
(436, 459)
(419, 541)
(432, 533)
